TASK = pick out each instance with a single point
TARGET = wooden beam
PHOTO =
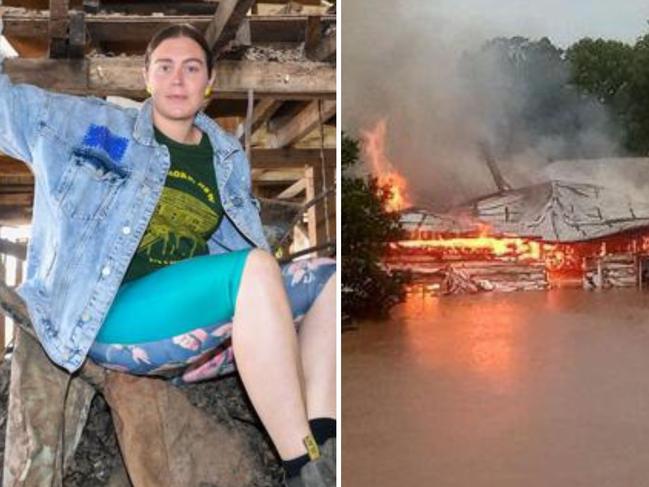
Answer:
(320, 228)
(149, 8)
(77, 36)
(3, 318)
(264, 109)
(275, 176)
(69, 76)
(121, 76)
(313, 34)
(17, 215)
(226, 22)
(301, 124)
(293, 190)
(325, 49)
(58, 28)
(261, 159)
(58, 19)
(17, 250)
(289, 157)
(16, 199)
(14, 172)
(282, 2)
(264, 29)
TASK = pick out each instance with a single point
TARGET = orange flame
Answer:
(374, 151)
(521, 248)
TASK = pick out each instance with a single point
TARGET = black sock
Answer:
(294, 465)
(322, 429)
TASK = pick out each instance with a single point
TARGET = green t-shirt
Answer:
(188, 212)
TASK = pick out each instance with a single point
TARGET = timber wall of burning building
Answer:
(458, 252)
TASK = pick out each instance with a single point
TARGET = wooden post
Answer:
(317, 223)
(3, 319)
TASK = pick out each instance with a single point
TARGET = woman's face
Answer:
(177, 76)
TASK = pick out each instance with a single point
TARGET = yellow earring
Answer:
(148, 90)
(208, 92)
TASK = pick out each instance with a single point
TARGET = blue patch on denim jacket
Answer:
(101, 137)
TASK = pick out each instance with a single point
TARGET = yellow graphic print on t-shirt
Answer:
(178, 215)
(178, 174)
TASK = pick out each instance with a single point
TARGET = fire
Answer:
(521, 248)
(374, 151)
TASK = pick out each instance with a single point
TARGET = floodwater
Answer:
(528, 389)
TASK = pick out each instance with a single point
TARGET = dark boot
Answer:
(320, 472)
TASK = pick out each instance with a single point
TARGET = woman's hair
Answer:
(179, 30)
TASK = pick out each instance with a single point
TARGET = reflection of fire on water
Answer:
(374, 151)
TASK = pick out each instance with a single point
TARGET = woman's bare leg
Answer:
(317, 341)
(265, 348)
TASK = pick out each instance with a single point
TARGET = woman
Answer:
(147, 252)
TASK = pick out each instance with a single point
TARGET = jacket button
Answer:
(85, 316)
(126, 230)
(105, 271)
(236, 201)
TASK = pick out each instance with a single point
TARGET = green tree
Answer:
(604, 69)
(601, 68)
(368, 290)
(618, 75)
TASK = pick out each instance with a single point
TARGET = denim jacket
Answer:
(99, 173)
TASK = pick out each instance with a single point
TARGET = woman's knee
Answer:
(261, 262)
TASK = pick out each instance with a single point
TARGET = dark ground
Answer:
(98, 452)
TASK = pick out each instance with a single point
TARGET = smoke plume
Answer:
(423, 70)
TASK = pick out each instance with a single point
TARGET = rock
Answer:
(98, 463)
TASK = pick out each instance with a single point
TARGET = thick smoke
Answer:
(413, 66)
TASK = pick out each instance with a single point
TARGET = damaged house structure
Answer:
(585, 224)
(275, 89)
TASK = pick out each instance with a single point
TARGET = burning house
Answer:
(586, 224)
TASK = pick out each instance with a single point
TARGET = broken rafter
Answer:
(121, 76)
(225, 24)
(302, 124)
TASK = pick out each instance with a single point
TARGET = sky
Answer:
(562, 21)
(399, 64)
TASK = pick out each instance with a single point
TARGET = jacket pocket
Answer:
(89, 185)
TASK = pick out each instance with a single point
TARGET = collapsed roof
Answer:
(607, 200)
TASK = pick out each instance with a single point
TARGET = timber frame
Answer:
(275, 87)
